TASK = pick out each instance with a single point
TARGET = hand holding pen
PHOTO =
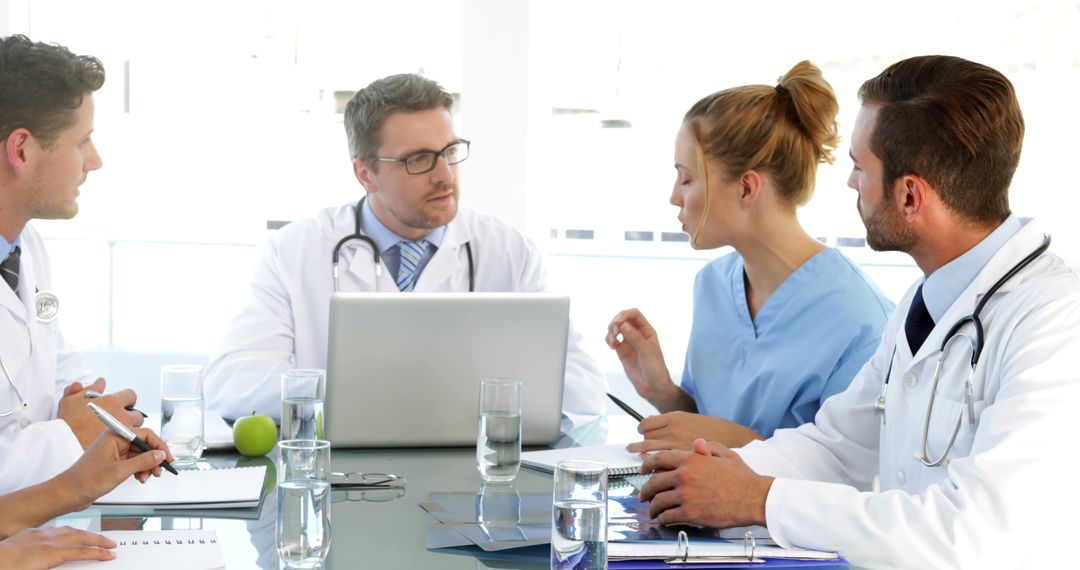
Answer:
(108, 463)
(86, 427)
(131, 408)
(123, 431)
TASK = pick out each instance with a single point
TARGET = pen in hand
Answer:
(626, 408)
(123, 431)
(94, 394)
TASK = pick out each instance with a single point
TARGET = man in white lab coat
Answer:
(969, 474)
(406, 154)
(46, 117)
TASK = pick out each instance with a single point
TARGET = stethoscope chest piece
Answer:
(46, 306)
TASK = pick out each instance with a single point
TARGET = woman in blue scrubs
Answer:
(783, 322)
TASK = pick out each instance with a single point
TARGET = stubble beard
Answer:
(419, 219)
(885, 231)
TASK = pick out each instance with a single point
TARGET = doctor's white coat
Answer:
(1008, 497)
(287, 313)
(34, 444)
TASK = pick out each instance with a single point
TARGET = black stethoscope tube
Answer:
(973, 318)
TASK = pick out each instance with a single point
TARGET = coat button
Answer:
(911, 380)
(900, 478)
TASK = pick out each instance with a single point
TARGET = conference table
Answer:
(376, 529)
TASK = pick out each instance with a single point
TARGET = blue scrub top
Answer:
(809, 340)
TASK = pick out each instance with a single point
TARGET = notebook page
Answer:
(618, 459)
(160, 550)
(216, 488)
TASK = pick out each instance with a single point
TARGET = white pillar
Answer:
(503, 106)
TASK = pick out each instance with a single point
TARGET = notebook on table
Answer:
(620, 462)
(191, 489)
(160, 550)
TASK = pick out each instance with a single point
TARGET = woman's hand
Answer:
(636, 343)
(678, 430)
(36, 548)
(108, 462)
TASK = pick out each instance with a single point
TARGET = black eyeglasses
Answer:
(424, 161)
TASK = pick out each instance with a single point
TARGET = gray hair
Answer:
(369, 108)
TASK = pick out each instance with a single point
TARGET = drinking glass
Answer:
(498, 440)
(182, 412)
(302, 394)
(579, 516)
(303, 517)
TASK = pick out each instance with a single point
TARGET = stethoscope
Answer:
(23, 405)
(976, 346)
(358, 233)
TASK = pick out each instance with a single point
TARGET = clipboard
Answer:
(684, 557)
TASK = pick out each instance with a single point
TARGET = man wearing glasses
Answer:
(406, 234)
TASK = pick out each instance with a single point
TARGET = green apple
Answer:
(254, 435)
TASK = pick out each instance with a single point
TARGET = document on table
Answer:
(620, 462)
(191, 489)
(160, 550)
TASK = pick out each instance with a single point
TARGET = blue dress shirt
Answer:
(944, 286)
(387, 241)
(7, 247)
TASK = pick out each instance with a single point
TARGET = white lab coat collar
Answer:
(448, 260)
(1023, 242)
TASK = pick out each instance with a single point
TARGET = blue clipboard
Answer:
(838, 564)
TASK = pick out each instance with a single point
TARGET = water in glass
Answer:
(577, 537)
(182, 427)
(303, 523)
(302, 418)
(498, 447)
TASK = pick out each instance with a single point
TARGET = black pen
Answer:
(626, 408)
(123, 431)
(93, 394)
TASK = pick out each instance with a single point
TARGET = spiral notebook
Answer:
(160, 550)
(191, 489)
(620, 462)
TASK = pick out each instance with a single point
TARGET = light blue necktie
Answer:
(411, 254)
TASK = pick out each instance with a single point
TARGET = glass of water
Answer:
(579, 516)
(302, 394)
(303, 517)
(182, 412)
(498, 440)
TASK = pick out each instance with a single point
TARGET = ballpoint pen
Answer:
(626, 408)
(95, 394)
(123, 431)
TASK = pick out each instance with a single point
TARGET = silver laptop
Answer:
(404, 370)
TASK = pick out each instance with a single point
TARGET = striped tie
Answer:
(411, 253)
(9, 268)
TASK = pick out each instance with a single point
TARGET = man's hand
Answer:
(38, 548)
(709, 486)
(108, 462)
(84, 424)
(678, 430)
